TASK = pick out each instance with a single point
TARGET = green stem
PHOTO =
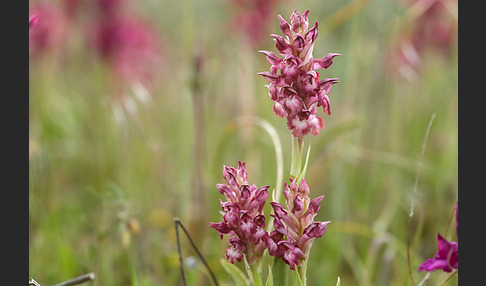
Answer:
(255, 275)
(280, 272)
(252, 267)
(301, 271)
(297, 150)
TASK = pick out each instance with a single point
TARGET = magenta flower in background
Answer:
(434, 30)
(50, 34)
(447, 257)
(130, 46)
(128, 43)
(32, 21)
(295, 85)
(243, 218)
(295, 228)
(110, 7)
(72, 7)
(253, 18)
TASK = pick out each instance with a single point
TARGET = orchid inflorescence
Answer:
(296, 223)
(244, 221)
(297, 90)
(243, 217)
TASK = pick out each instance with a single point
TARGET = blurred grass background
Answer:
(112, 163)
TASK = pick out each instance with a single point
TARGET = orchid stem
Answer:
(303, 268)
(297, 150)
(256, 278)
(301, 271)
(280, 272)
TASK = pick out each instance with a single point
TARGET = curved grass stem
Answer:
(417, 176)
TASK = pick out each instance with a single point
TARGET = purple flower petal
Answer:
(284, 26)
(325, 62)
(311, 35)
(221, 228)
(446, 258)
(272, 58)
(227, 192)
(292, 254)
(233, 255)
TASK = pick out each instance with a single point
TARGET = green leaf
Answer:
(235, 273)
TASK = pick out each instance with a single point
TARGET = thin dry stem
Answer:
(178, 223)
(75, 281)
(78, 280)
(33, 282)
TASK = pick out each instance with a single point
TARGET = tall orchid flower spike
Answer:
(294, 84)
(447, 258)
(295, 228)
(243, 218)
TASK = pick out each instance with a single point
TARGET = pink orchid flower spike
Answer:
(294, 84)
(295, 228)
(243, 218)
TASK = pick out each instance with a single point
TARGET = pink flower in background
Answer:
(447, 257)
(130, 46)
(127, 42)
(295, 85)
(110, 7)
(50, 34)
(253, 18)
(32, 21)
(71, 7)
(295, 228)
(434, 30)
(243, 217)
